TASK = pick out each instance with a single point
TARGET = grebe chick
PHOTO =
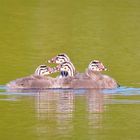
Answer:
(37, 80)
(92, 78)
(59, 59)
(94, 70)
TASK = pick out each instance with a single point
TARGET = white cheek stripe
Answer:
(41, 71)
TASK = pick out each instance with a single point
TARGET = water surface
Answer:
(34, 31)
(70, 114)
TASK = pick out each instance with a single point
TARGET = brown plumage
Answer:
(92, 78)
(37, 80)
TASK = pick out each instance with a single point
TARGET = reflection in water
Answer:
(58, 108)
(45, 104)
(64, 110)
(62, 114)
(95, 107)
(95, 101)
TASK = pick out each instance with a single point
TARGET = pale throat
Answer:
(93, 74)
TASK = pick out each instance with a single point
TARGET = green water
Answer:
(31, 32)
(81, 115)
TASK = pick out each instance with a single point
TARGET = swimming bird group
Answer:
(68, 78)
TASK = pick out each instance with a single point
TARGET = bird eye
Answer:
(94, 65)
(57, 58)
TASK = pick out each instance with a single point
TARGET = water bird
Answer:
(94, 70)
(39, 79)
(59, 59)
(92, 78)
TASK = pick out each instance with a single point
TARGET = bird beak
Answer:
(50, 70)
(105, 69)
(53, 60)
(49, 61)
(58, 67)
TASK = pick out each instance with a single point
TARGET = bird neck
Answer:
(93, 74)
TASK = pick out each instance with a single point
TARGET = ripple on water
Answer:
(119, 91)
(123, 91)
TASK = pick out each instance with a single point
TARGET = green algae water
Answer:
(70, 114)
(34, 31)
